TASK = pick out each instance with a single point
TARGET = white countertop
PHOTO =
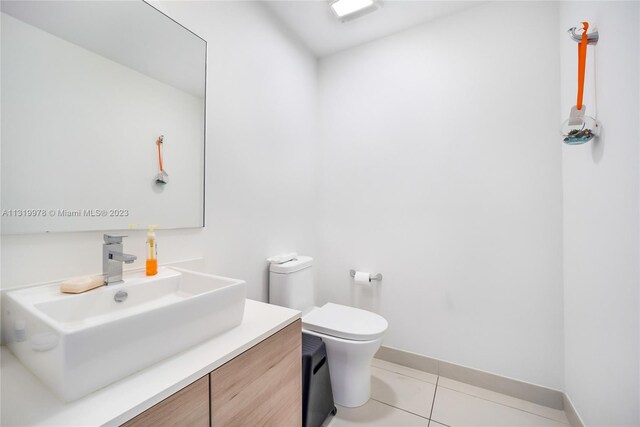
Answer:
(25, 401)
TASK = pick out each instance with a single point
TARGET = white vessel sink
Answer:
(76, 344)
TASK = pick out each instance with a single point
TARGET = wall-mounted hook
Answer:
(592, 37)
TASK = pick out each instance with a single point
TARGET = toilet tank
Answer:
(291, 284)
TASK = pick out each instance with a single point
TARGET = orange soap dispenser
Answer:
(152, 253)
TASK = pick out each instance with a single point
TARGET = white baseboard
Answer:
(571, 413)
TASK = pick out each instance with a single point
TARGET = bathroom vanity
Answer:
(259, 387)
(248, 375)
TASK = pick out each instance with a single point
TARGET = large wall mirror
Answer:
(88, 88)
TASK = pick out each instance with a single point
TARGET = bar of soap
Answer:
(81, 284)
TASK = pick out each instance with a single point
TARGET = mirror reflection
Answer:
(103, 108)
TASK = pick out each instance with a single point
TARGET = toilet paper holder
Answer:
(377, 276)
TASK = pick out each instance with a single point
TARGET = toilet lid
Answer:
(345, 322)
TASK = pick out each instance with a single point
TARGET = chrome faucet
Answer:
(113, 257)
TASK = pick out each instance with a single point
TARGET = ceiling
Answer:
(324, 34)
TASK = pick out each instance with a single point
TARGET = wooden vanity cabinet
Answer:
(260, 387)
(187, 407)
(263, 385)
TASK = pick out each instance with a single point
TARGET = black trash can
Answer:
(317, 396)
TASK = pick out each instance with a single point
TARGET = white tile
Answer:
(374, 413)
(401, 391)
(436, 424)
(503, 399)
(459, 409)
(414, 373)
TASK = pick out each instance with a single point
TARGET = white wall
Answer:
(79, 132)
(441, 170)
(260, 168)
(601, 220)
(261, 136)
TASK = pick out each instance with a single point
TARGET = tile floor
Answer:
(403, 396)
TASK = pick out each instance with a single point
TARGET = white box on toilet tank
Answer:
(291, 284)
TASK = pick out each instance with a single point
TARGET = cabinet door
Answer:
(188, 407)
(263, 385)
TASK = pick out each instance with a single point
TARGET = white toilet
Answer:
(352, 336)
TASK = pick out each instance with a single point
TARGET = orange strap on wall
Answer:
(158, 142)
(582, 61)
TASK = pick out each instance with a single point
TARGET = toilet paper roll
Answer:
(362, 278)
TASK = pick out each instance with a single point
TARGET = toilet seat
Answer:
(345, 322)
